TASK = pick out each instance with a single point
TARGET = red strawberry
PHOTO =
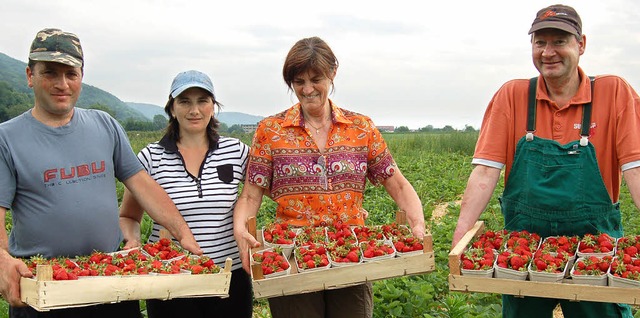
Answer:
(517, 262)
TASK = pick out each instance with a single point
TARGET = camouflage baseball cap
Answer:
(55, 45)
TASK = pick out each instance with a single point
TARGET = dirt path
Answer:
(557, 313)
(441, 210)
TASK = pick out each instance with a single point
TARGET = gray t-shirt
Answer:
(60, 183)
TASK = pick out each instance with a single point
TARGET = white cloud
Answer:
(402, 63)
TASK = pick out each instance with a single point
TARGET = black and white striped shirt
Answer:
(206, 201)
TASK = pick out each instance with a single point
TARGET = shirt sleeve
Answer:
(7, 176)
(260, 165)
(380, 162)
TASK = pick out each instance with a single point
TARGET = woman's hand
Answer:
(129, 244)
(245, 242)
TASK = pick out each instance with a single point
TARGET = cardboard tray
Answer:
(340, 277)
(567, 289)
(44, 294)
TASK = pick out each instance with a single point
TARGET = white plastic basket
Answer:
(488, 273)
(377, 258)
(615, 281)
(342, 264)
(300, 269)
(286, 248)
(539, 276)
(599, 255)
(274, 274)
(508, 273)
(597, 280)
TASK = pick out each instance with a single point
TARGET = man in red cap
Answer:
(565, 140)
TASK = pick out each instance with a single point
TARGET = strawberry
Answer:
(278, 233)
(601, 243)
(592, 265)
(311, 234)
(365, 233)
(478, 259)
(512, 260)
(492, 239)
(341, 233)
(517, 262)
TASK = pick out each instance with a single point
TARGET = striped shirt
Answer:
(206, 201)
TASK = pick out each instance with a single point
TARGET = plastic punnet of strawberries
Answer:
(550, 262)
(62, 268)
(197, 264)
(376, 248)
(313, 255)
(523, 242)
(311, 234)
(346, 253)
(393, 230)
(591, 243)
(629, 244)
(478, 259)
(163, 249)
(407, 244)
(341, 233)
(626, 267)
(512, 260)
(271, 260)
(491, 239)
(560, 244)
(366, 233)
(592, 265)
(279, 233)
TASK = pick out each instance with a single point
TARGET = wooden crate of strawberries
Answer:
(594, 267)
(158, 270)
(334, 257)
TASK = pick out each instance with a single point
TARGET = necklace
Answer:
(316, 128)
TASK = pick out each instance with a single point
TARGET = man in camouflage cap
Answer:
(64, 203)
(55, 45)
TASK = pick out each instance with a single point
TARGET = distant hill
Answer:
(148, 110)
(12, 72)
(229, 118)
(236, 118)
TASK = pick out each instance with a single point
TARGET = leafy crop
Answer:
(437, 165)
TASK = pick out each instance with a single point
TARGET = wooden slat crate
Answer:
(44, 294)
(564, 290)
(339, 277)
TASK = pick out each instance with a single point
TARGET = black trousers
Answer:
(126, 309)
(239, 303)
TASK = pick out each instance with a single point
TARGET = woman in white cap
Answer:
(201, 172)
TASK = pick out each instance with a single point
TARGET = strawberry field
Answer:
(437, 165)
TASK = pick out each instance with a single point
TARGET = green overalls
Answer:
(556, 189)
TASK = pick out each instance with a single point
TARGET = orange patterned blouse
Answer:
(314, 188)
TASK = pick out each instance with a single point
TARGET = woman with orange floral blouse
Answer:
(313, 160)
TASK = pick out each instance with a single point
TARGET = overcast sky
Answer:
(412, 63)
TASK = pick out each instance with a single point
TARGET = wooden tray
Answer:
(339, 277)
(567, 289)
(44, 294)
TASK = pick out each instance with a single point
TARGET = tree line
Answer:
(14, 103)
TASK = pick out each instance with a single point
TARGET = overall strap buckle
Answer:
(586, 117)
(531, 108)
(529, 136)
